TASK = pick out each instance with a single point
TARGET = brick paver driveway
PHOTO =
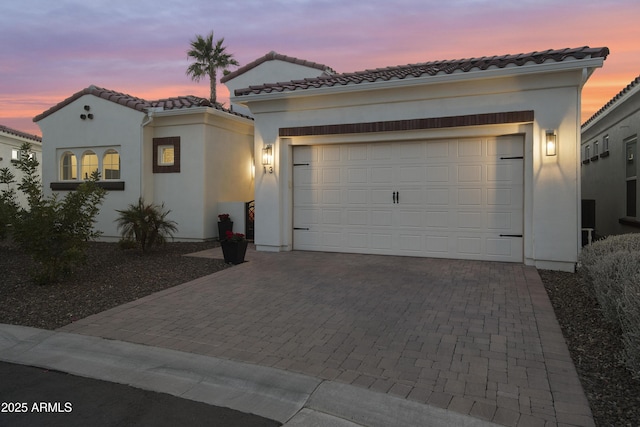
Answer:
(474, 337)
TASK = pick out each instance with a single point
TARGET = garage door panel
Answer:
(437, 196)
(357, 218)
(382, 218)
(357, 176)
(470, 196)
(331, 196)
(330, 153)
(382, 196)
(305, 176)
(331, 176)
(470, 148)
(436, 151)
(382, 175)
(437, 174)
(456, 198)
(357, 197)
(469, 173)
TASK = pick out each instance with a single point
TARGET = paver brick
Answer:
(444, 332)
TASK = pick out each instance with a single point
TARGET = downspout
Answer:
(585, 76)
(148, 120)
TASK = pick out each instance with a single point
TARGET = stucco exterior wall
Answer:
(268, 72)
(113, 127)
(216, 165)
(604, 177)
(551, 183)
(216, 158)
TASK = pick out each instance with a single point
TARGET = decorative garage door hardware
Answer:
(511, 235)
(396, 197)
(513, 157)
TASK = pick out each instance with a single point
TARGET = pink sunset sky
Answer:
(52, 49)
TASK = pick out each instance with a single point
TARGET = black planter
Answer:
(234, 252)
(223, 227)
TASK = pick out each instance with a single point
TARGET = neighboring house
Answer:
(439, 159)
(610, 165)
(11, 141)
(183, 152)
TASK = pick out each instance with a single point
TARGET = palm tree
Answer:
(146, 223)
(208, 59)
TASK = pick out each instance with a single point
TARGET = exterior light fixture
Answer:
(267, 158)
(551, 142)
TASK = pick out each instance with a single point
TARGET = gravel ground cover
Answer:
(113, 276)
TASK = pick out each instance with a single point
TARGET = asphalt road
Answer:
(32, 396)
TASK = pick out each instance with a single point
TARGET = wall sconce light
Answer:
(551, 142)
(267, 158)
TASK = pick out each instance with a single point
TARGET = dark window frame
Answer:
(173, 141)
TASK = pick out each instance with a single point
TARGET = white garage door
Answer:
(453, 198)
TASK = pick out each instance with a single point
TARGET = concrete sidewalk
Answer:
(290, 398)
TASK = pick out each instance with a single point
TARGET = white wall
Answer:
(271, 71)
(216, 154)
(551, 183)
(113, 126)
(216, 159)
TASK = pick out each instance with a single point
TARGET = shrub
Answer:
(8, 204)
(52, 231)
(146, 223)
(611, 268)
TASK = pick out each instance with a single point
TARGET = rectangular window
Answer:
(587, 156)
(605, 143)
(166, 155)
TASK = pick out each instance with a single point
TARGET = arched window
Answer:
(68, 166)
(89, 164)
(111, 165)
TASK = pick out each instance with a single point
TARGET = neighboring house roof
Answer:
(427, 68)
(138, 104)
(10, 131)
(271, 56)
(610, 105)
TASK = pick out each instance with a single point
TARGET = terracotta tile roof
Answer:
(427, 68)
(21, 134)
(135, 103)
(612, 101)
(271, 56)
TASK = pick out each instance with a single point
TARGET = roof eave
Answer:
(547, 67)
(201, 110)
(610, 109)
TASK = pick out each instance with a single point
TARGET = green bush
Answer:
(8, 204)
(52, 231)
(611, 268)
(147, 224)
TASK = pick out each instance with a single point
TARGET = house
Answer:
(609, 171)
(471, 159)
(11, 141)
(183, 152)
